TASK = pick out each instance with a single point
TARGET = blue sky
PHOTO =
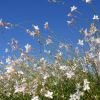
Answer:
(28, 12)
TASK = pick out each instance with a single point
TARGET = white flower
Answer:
(20, 88)
(42, 60)
(69, 14)
(1, 77)
(6, 27)
(35, 65)
(76, 96)
(61, 45)
(93, 29)
(35, 98)
(70, 74)
(23, 53)
(88, 1)
(36, 27)
(60, 53)
(80, 42)
(20, 72)
(95, 17)
(63, 67)
(8, 60)
(73, 8)
(45, 76)
(28, 48)
(70, 22)
(86, 85)
(48, 41)
(49, 94)
(86, 32)
(36, 30)
(31, 33)
(23, 80)
(78, 86)
(46, 25)
(91, 55)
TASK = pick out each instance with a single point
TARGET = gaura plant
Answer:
(56, 77)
